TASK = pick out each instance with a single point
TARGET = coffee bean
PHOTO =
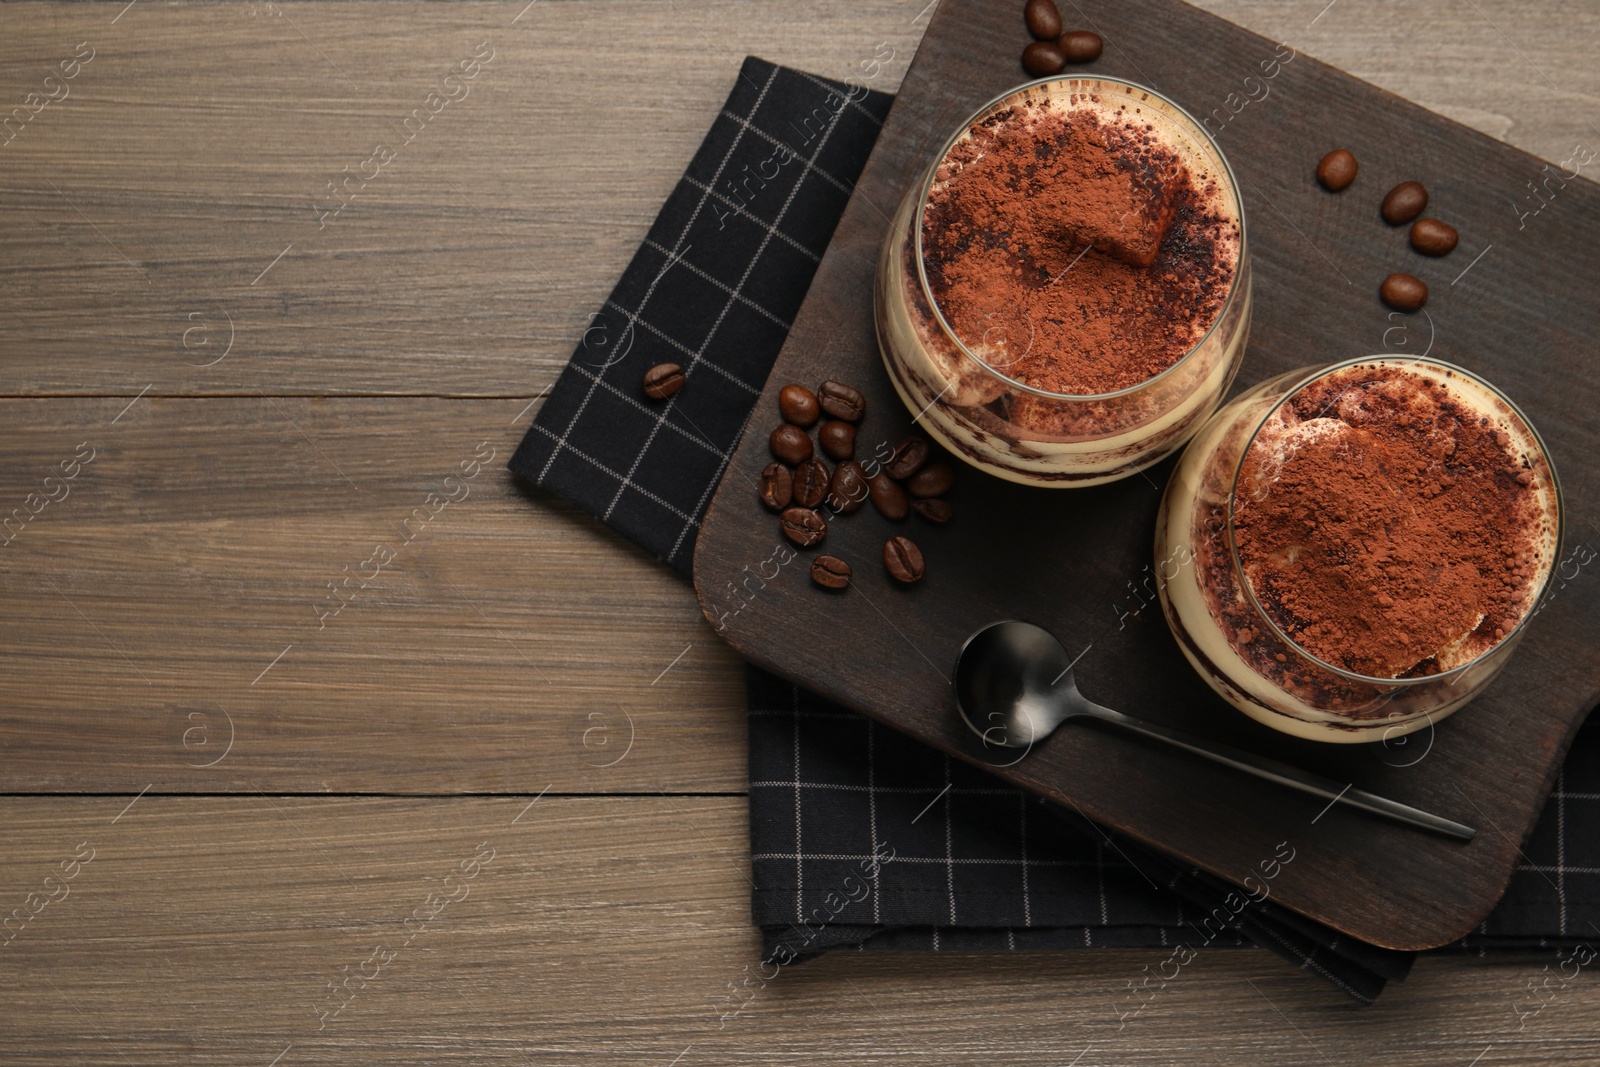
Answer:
(1043, 19)
(837, 438)
(811, 483)
(841, 401)
(848, 490)
(1337, 170)
(1080, 46)
(1403, 292)
(803, 526)
(830, 572)
(798, 404)
(1044, 58)
(662, 380)
(887, 496)
(909, 456)
(777, 486)
(790, 444)
(933, 480)
(903, 559)
(1404, 203)
(1432, 237)
(935, 511)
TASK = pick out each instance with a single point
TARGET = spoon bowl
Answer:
(1014, 686)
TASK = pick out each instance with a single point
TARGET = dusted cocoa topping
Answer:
(1075, 248)
(1388, 526)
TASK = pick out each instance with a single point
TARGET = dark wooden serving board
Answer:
(1526, 315)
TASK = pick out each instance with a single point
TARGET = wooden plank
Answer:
(209, 930)
(199, 143)
(1079, 562)
(180, 583)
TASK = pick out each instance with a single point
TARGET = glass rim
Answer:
(925, 186)
(1543, 452)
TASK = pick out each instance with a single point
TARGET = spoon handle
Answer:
(1293, 777)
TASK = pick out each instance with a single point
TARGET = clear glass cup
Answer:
(1238, 647)
(1025, 434)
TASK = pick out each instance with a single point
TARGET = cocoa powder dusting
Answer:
(1074, 250)
(1387, 526)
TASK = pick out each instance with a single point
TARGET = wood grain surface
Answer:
(1078, 562)
(421, 322)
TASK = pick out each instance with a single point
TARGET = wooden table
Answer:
(518, 716)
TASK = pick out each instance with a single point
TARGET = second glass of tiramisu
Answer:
(1064, 296)
(1350, 553)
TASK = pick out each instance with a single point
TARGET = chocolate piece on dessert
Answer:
(1106, 189)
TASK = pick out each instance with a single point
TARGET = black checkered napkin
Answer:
(863, 838)
(713, 289)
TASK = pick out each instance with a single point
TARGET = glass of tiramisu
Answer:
(1064, 295)
(1350, 553)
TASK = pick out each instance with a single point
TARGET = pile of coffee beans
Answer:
(1052, 49)
(1402, 204)
(806, 495)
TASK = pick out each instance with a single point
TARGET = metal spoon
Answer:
(1014, 686)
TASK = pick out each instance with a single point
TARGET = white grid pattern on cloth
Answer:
(699, 354)
(713, 287)
(690, 179)
(633, 401)
(706, 276)
(601, 466)
(578, 415)
(637, 319)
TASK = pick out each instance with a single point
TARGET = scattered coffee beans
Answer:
(848, 490)
(1403, 292)
(806, 494)
(903, 559)
(1043, 19)
(790, 444)
(811, 483)
(933, 480)
(1337, 170)
(909, 456)
(1043, 58)
(1432, 237)
(841, 401)
(837, 438)
(1080, 46)
(803, 526)
(798, 404)
(1404, 203)
(777, 486)
(663, 380)
(830, 572)
(888, 497)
